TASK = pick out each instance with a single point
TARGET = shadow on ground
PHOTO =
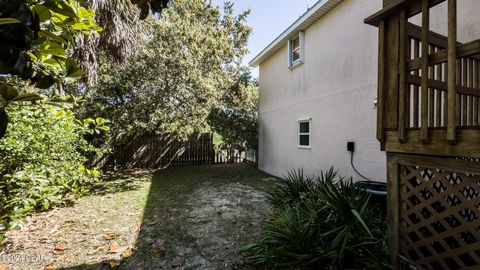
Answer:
(196, 218)
(121, 182)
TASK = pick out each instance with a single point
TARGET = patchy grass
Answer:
(179, 218)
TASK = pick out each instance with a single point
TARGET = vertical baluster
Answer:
(402, 79)
(381, 84)
(475, 85)
(416, 54)
(464, 97)
(452, 72)
(459, 96)
(408, 45)
(445, 95)
(431, 94)
(438, 101)
(425, 60)
(470, 98)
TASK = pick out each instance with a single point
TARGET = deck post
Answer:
(402, 77)
(381, 85)
(452, 72)
(425, 59)
(393, 206)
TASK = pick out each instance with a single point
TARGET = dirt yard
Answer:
(180, 218)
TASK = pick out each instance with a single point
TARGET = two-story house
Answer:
(318, 88)
(317, 92)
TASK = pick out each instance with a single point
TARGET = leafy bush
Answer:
(320, 223)
(42, 160)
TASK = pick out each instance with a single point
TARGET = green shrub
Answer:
(293, 190)
(42, 160)
(323, 223)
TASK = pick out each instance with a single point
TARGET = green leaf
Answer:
(52, 36)
(8, 21)
(61, 7)
(45, 82)
(100, 121)
(360, 219)
(8, 92)
(72, 69)
(27, 97)
(43, 13)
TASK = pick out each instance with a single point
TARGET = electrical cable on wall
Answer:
(373, 187)
(355, 169)
(351, 149)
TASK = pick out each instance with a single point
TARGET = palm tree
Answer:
(122, 27)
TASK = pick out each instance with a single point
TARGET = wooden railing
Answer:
(429, 84)
(467, 84)
(428, 122)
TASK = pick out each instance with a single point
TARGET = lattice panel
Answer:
(439, 215)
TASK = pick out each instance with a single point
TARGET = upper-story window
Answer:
(296, 50)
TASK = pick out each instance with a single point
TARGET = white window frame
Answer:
(309, 133)
(301, 47)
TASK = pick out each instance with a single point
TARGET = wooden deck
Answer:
(428, 122)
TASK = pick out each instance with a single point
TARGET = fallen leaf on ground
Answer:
(113, 264)
(110, 236)
(127, 253)
(117, 249)
(114, 247)
(59, 249)
(159, 253)
(68, 223)
(58, 252)
(49, 266)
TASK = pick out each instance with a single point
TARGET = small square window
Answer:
(304, 133)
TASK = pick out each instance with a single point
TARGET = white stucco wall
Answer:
(467, 20)
(336, 87)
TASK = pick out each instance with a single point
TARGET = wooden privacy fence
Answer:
(161, 151)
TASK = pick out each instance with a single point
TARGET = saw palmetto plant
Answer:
(325, 222)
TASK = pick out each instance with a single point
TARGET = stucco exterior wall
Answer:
(467, 20)
(336, 87)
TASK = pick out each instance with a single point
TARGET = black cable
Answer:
(355, 169)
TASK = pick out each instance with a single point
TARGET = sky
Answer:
(268, 18)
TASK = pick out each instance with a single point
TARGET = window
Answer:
(304, 133)
(296, 50)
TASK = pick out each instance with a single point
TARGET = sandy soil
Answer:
(180, 218)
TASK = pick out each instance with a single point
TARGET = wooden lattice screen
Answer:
(439, 211)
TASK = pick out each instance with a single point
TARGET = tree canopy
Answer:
(186, 63)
